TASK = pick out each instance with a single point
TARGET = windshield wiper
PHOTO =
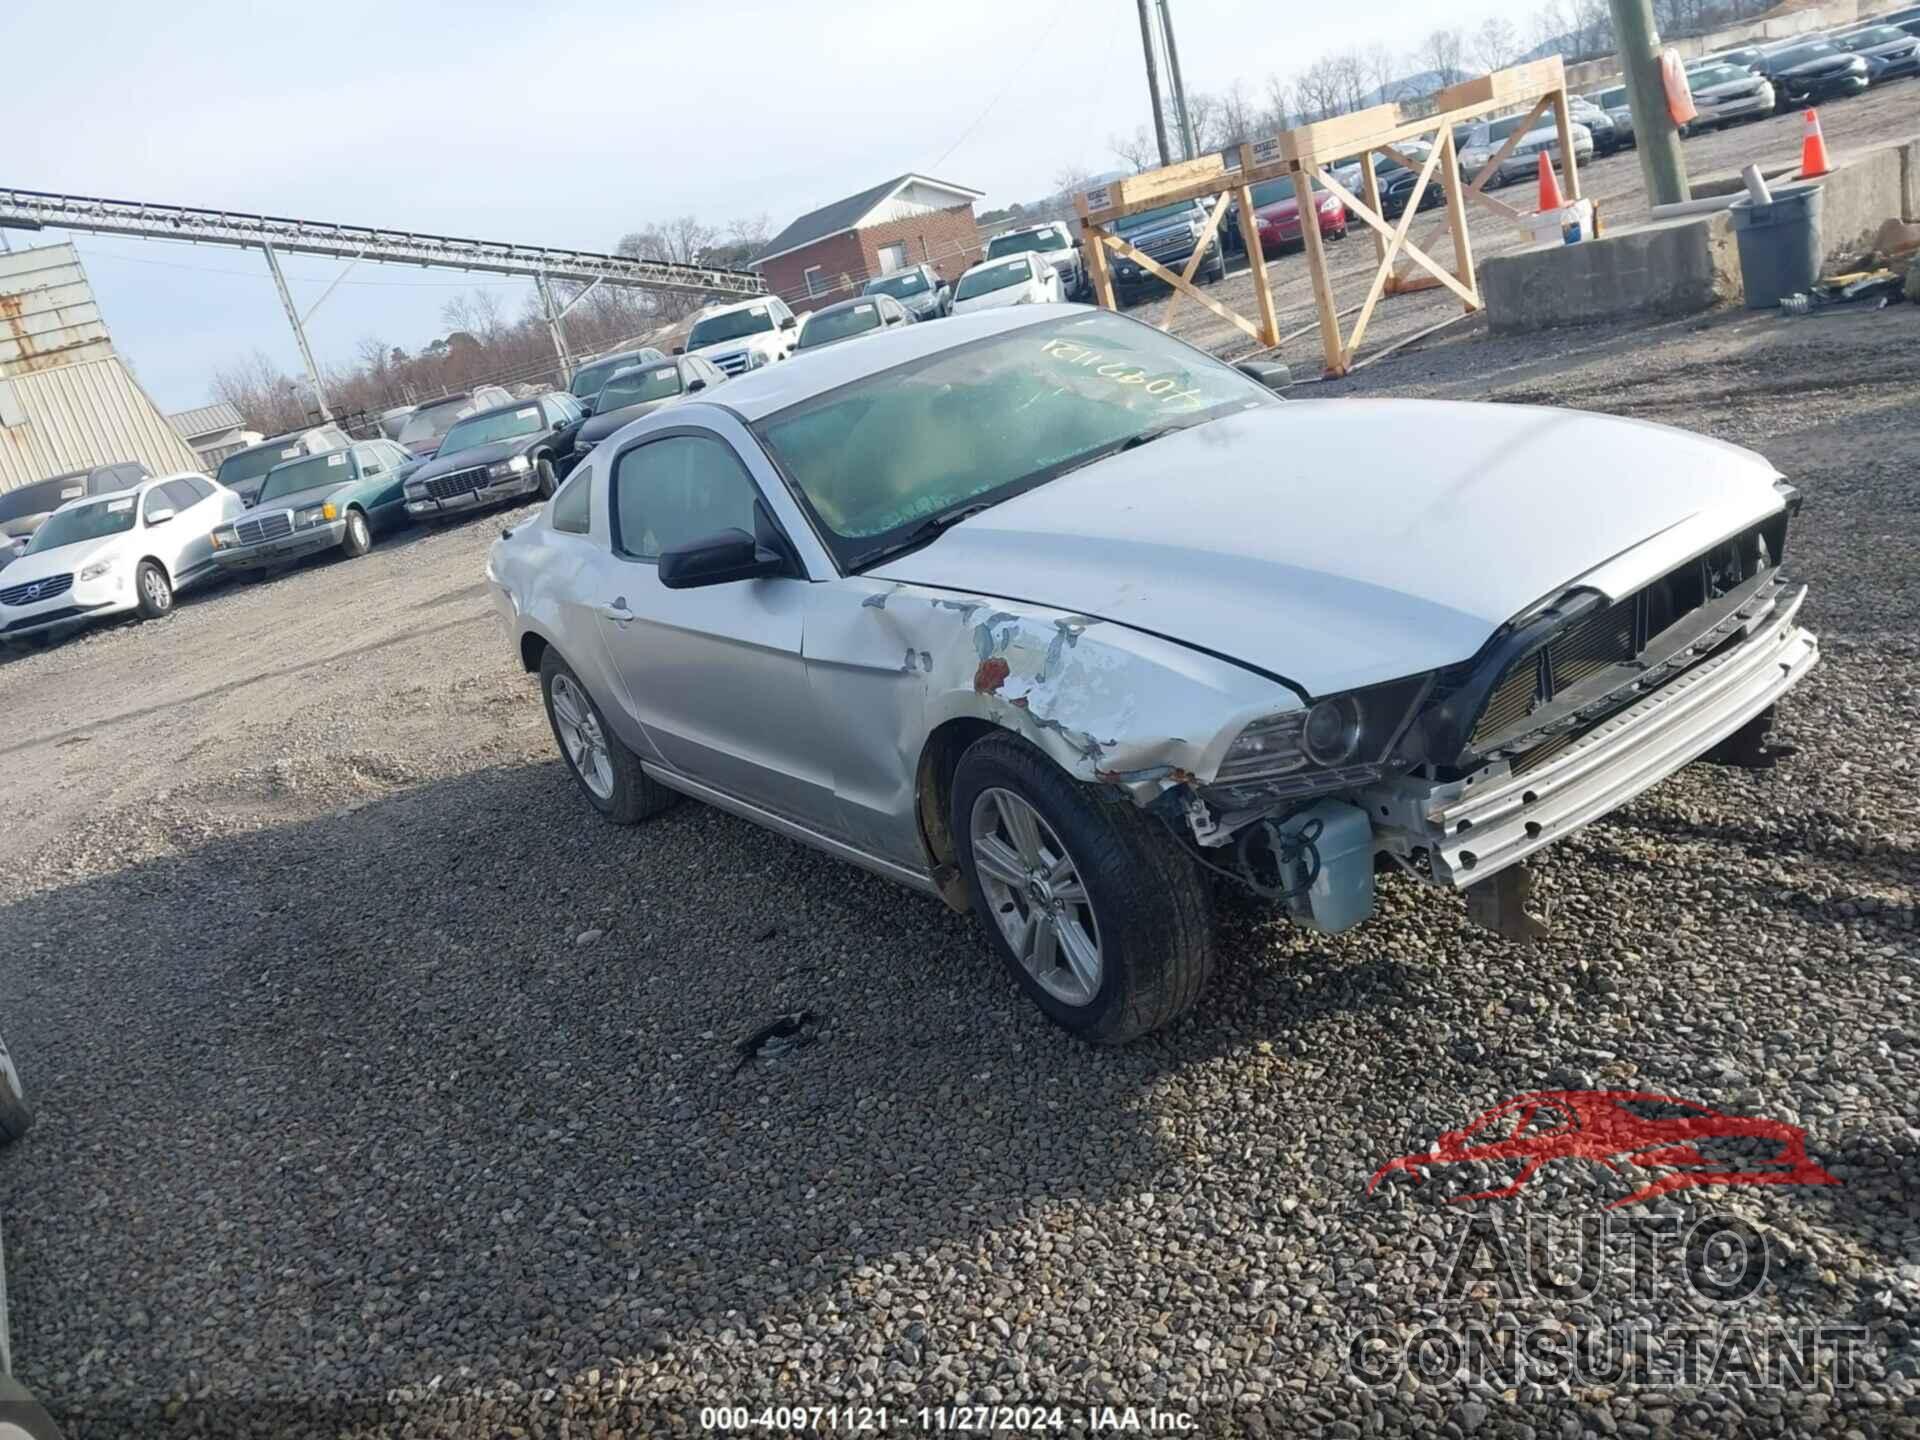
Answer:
(930, 528)
(1119, 447)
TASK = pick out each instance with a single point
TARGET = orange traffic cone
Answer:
(1813, 150)
(1549, 186)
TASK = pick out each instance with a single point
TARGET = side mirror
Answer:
(679, 349)
(1270, 373)
(718, 559)
(160, 516)
(696, 384)
(789, 323)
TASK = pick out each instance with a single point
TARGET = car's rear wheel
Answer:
(543, 468)
(153, 590)
(1100, 917)
(359, 537)
(607, 771)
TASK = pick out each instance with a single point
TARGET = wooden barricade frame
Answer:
(1304, 154)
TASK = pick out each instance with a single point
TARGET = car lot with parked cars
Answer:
(498, 1057)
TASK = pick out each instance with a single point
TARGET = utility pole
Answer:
(1657, 137)
(553, 328)
(1179, 85)
(1153, 85)
(299, 332)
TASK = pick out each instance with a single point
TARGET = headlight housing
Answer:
(95, 570)
(225, 535)
(518, 465)
(1337, 742)
(318, 515)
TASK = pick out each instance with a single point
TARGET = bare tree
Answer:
(1380, 69)
(1139, 150)
(1281, 103)
(683, 240)
(1496, 44)
(1443, 52)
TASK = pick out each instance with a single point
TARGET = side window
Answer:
(682, 488)
(201, 487)
(571, 512)
(180, 494)
(155, 502)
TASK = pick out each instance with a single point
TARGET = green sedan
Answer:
(338, 500)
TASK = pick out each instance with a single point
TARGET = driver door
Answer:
(714, 674)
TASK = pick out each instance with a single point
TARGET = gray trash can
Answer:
(1779, 244)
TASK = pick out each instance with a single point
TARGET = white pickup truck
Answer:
(745, 335)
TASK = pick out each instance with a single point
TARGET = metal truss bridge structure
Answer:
(276, 235)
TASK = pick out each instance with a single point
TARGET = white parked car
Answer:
(1051, 615)
(1052, 242)
(1025, 279)
(1725, 93)
(743, 336)
(107, 554)
(1523, 162)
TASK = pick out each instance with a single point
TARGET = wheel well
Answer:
(158, 564)
(933, 793)
(533, 649)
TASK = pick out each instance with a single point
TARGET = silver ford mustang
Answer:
(1060, 619)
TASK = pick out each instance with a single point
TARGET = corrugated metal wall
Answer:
(79, 415)
(66, 399)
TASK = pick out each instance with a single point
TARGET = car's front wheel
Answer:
(153, 590)
(1102, 919)
(543, 469)
(607, 771)
(359, 537)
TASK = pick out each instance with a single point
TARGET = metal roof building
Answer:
(67, 400)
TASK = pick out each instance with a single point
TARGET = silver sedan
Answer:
(1057, 618)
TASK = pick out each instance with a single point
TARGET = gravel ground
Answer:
(1882, 116)
(383, 1089)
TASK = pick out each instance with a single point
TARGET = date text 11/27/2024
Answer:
(936, 1419)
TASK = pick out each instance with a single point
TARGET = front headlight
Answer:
(319, 514)
(1337, 742)
(225, 535)
(96, 570)
(518, 465)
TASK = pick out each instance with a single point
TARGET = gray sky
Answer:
(568, 123)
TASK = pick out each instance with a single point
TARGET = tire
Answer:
(543, 467)
(155, 590)
(15, 1116)
(1147, 913)
(622, 791)
(359, 537)
(1219, 271)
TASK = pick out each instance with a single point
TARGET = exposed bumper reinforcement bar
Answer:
(1476, 827)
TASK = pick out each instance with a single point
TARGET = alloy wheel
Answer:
(1037, 896)
(581, 736)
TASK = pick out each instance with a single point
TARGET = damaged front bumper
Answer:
(1472, 828)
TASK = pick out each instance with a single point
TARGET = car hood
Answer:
(764, 340)
(1287, 209)
(1834, 64)
(1748, 86)
(601, 426)
(447, 461)
(67, 560)
(1304, 539)
(994, 299)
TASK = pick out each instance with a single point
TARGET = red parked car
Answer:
(1277, 209)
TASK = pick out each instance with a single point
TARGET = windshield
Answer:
(1717, 75)
(907, 282)
(1878, 35)
(1500, 129)
(1182, 210)
(838, 324)
(989, 278)
(83, 522)
(1800, 54)
(875, 458)
(236, 470)
(637, 387)
(1612, 99)
(308, 474)
(427, 424)
(731, 326)
(588, 379)
(1271, 192)
(492, 426)
(42, 495)
(1028, 240)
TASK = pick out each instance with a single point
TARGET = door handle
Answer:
(618, 612)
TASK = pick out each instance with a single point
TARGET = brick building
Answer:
(827, 254)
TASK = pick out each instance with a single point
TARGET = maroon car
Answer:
(1277, 211)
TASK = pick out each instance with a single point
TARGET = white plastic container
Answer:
(1342, 893)
(1550, 227)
